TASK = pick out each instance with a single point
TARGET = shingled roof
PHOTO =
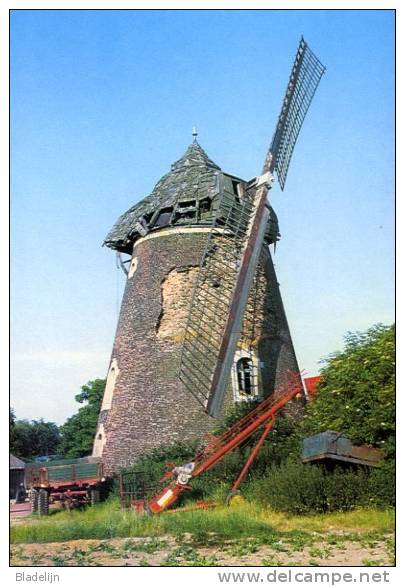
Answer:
(185, 195)
(16, 463)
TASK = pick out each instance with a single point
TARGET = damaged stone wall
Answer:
(176, 292)
(149, 404)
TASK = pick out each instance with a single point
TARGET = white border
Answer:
(198, 576)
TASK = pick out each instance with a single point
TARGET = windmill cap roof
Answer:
(195, 156)
(183, 196)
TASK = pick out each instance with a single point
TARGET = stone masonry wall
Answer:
(149, 405)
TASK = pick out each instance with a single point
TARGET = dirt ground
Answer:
(166, 551)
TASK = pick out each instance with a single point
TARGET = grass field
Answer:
(108, 520)
(243, 534)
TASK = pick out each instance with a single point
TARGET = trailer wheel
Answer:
(34, 500)
(94, 496)
(43, 502)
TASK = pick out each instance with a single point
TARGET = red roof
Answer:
(311, 384)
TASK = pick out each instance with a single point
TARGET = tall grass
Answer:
(107, 520)
(359, 520)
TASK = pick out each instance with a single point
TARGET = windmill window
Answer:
(187, 209)
(186, 205)
(235, 189)
(147, 218)
(205, 205)
(164, 218)
(205, 209)
(244, 371)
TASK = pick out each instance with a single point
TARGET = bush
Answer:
(294, 487)
(357, 392)
(381, 487)
(290, 487)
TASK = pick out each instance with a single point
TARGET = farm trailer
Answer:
(68, 482)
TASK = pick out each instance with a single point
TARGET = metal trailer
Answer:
(70, 483)
(331, 446)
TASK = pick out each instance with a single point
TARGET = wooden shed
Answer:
(17, 472)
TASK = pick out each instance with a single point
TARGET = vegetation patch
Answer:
(242, 522)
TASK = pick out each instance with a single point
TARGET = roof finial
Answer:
(194, 134)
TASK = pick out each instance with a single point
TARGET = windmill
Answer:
(201, 311)
(214, 323)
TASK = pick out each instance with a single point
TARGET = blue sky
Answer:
(102, 102)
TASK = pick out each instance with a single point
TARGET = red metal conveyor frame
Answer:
(264, 415)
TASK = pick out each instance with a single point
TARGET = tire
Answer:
(20, 496)
(94, 496)
(43, 502)
(34, 500)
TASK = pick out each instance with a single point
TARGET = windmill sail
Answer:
(229, 263)
(304, 79)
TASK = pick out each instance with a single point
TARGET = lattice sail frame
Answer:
(229, 263)
(304, 79)
(213, 292)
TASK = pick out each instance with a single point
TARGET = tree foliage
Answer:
(79, 430)
(357, 392)
(29, 439)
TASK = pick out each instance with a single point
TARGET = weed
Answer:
(390, 545)
(201, 560)
(367, 562)
(58, 560)
(369, 539)
(170, 560)
(146, 546)
(316, 552)
(279, 546)
(79, 556)
(187, 556)
(35, 559)
(19, 554)
(79, 553)
(271, 561)
(244, 548)
(201, 538)
(313, 562)
(297, 540)
(332, 539)
(103, 546)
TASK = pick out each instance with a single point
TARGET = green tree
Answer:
(357, 392)
(79, 430)
(12, 420)
(29, 439)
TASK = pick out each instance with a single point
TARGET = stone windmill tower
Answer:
(146, 403)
